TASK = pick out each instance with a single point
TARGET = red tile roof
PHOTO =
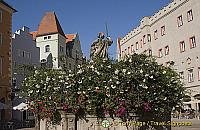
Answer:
(49, 25)
(34, 34)
(70, 37)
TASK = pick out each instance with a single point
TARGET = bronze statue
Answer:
(99, 47)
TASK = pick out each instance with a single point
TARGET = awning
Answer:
(3, 106)
(21, 107)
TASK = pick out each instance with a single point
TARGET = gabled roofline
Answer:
(6, 4)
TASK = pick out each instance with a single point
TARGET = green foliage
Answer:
(103, 87)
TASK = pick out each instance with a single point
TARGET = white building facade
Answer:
(54, 44)
(173, 36)
(24, 52)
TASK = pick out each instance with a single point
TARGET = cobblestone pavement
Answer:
(195, 124)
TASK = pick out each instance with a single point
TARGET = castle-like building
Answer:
(54, 43)
(173, 36)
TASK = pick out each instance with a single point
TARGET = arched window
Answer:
(47, 48)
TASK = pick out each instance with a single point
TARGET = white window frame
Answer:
(132, 49)
(189, 15)
(149, 37)
(190, 75)
(156, 34)
(199, 73)
(137, 45)
(162, 30)
(182, 46)
(160, 54)
(144, 39)
(166, 50)
(180, 21)
(181, 75)
(47, 48)
(192, 42)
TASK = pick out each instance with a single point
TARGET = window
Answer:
(181, 75)
(122, 53)
(132, 49)
(149, 37)
(190, 76)
(189, 16)
(199, 73)
(45, 38)
(47, 48)
(61, 49)
(23, 53)
(137, 46)
(1, 65)
(49, 37)
(144, 39)
(180, 21)
(1, 16)
(192, 42)
(125, 51)
(150, 52)
(162, 30)
(182, 46)
(129, 50)
(1, 39)
(155, 34)
(167, 50)
(160, 53)
(141, 43)
(168, 64)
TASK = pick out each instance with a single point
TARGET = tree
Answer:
(107, 88)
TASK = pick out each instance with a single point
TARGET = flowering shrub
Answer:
(103, 87)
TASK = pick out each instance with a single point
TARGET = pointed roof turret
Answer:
(49, 25)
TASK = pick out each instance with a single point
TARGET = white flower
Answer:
(83, 92)
(80, 82)
(47, 79)
(109, 66)
(31, 91)
(129, 73)
(146, 75)
(98, 73)
(92, 67)
(89, 88)
(79, 66)
(165, 98)
(117, 82)
(79, 92)
(121, 92)
(37, 86)
(96, 87)
(124, 70)
(164, 72)
(141, 71)
(151, 77)
(68, 86)
(145, 87)
(105, 86)
(79, 71)
(130, 60)
(144, 80)
(116, 71)
(112, 86)
(110, 80)
(37, 91)
(36, 72)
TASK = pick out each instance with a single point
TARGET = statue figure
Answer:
(100, 46)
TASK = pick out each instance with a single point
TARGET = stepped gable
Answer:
(49, 25)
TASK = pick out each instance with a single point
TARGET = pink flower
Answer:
(146, 106)
(121, 111)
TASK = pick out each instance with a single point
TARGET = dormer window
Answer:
(45, 38)
(49, 37)
(47, 48)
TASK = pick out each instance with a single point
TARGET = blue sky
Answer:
(87, 17)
